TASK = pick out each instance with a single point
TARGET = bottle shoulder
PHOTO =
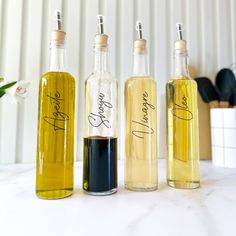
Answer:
(182, 80)
(140, 79)
(51, 75)
(101, 77)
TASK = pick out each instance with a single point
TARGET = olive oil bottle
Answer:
(55, 148)
(182, 123)
(100, 141)
(141, 122)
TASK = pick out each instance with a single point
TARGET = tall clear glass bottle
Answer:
(141, 122)
(100, 141)
(55, 148)
(182, 123)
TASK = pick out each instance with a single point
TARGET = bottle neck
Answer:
(140, 66)
(57, 59)
(101, 60)
(181, 64)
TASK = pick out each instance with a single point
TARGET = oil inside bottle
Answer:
(182, 133)
(55, 151)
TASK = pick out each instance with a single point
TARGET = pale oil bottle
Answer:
(100, 141)
(55, 147)
(140, 122)
(182, 123)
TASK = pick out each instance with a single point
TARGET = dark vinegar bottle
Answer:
(100, 142)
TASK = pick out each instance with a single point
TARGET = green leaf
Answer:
(2, 93)
(1, 79)
(6, 86)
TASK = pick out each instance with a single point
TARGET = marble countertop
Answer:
(210, 210)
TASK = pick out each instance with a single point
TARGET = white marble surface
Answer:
(210, 210)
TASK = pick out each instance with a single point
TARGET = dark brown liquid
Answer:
(100, 164)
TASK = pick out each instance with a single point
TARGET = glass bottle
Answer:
(141, 122)
(55, 147)
(100, 141)
(182, 123)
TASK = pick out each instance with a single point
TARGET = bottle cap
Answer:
(101, 38)
(180, 45)
(58, 35)
(140, 46)
(140, 43)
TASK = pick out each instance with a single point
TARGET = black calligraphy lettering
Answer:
(142, 128)
(58, 118)
(181, 111)
(96, 120)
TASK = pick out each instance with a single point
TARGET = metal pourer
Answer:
(58, 35)
(140, 43)
(101, 38)
(58, 20)
(139, 29)
(100, 24)
(180, 44)
(179, 30)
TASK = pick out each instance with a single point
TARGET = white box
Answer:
(223, 137)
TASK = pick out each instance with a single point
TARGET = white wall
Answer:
(25, 28)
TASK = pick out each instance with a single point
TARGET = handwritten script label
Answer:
(142, 127)
(96, 120)
(58, 118)
(181, 111)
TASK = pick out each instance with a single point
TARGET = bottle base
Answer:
(183, 185)
(140, 188)
(54, 194)
(104, 193)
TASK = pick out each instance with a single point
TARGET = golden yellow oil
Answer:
(182, 134)
(55, 149)
(141, 134)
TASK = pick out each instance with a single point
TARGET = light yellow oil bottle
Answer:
(55, 148)
(182, 124)
(141, 123)
(141, 140)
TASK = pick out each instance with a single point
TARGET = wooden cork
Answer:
(58, 37)
(180, 46)
(101, 40)
(140, 46)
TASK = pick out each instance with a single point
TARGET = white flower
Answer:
(18, 91)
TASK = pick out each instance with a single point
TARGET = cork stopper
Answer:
(180, 45)
(140, 43)
(58, 35)
(140, 46)
(101, 38)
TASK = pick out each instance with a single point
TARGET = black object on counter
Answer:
(207, 91)
(225, 83)
(232, 100)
